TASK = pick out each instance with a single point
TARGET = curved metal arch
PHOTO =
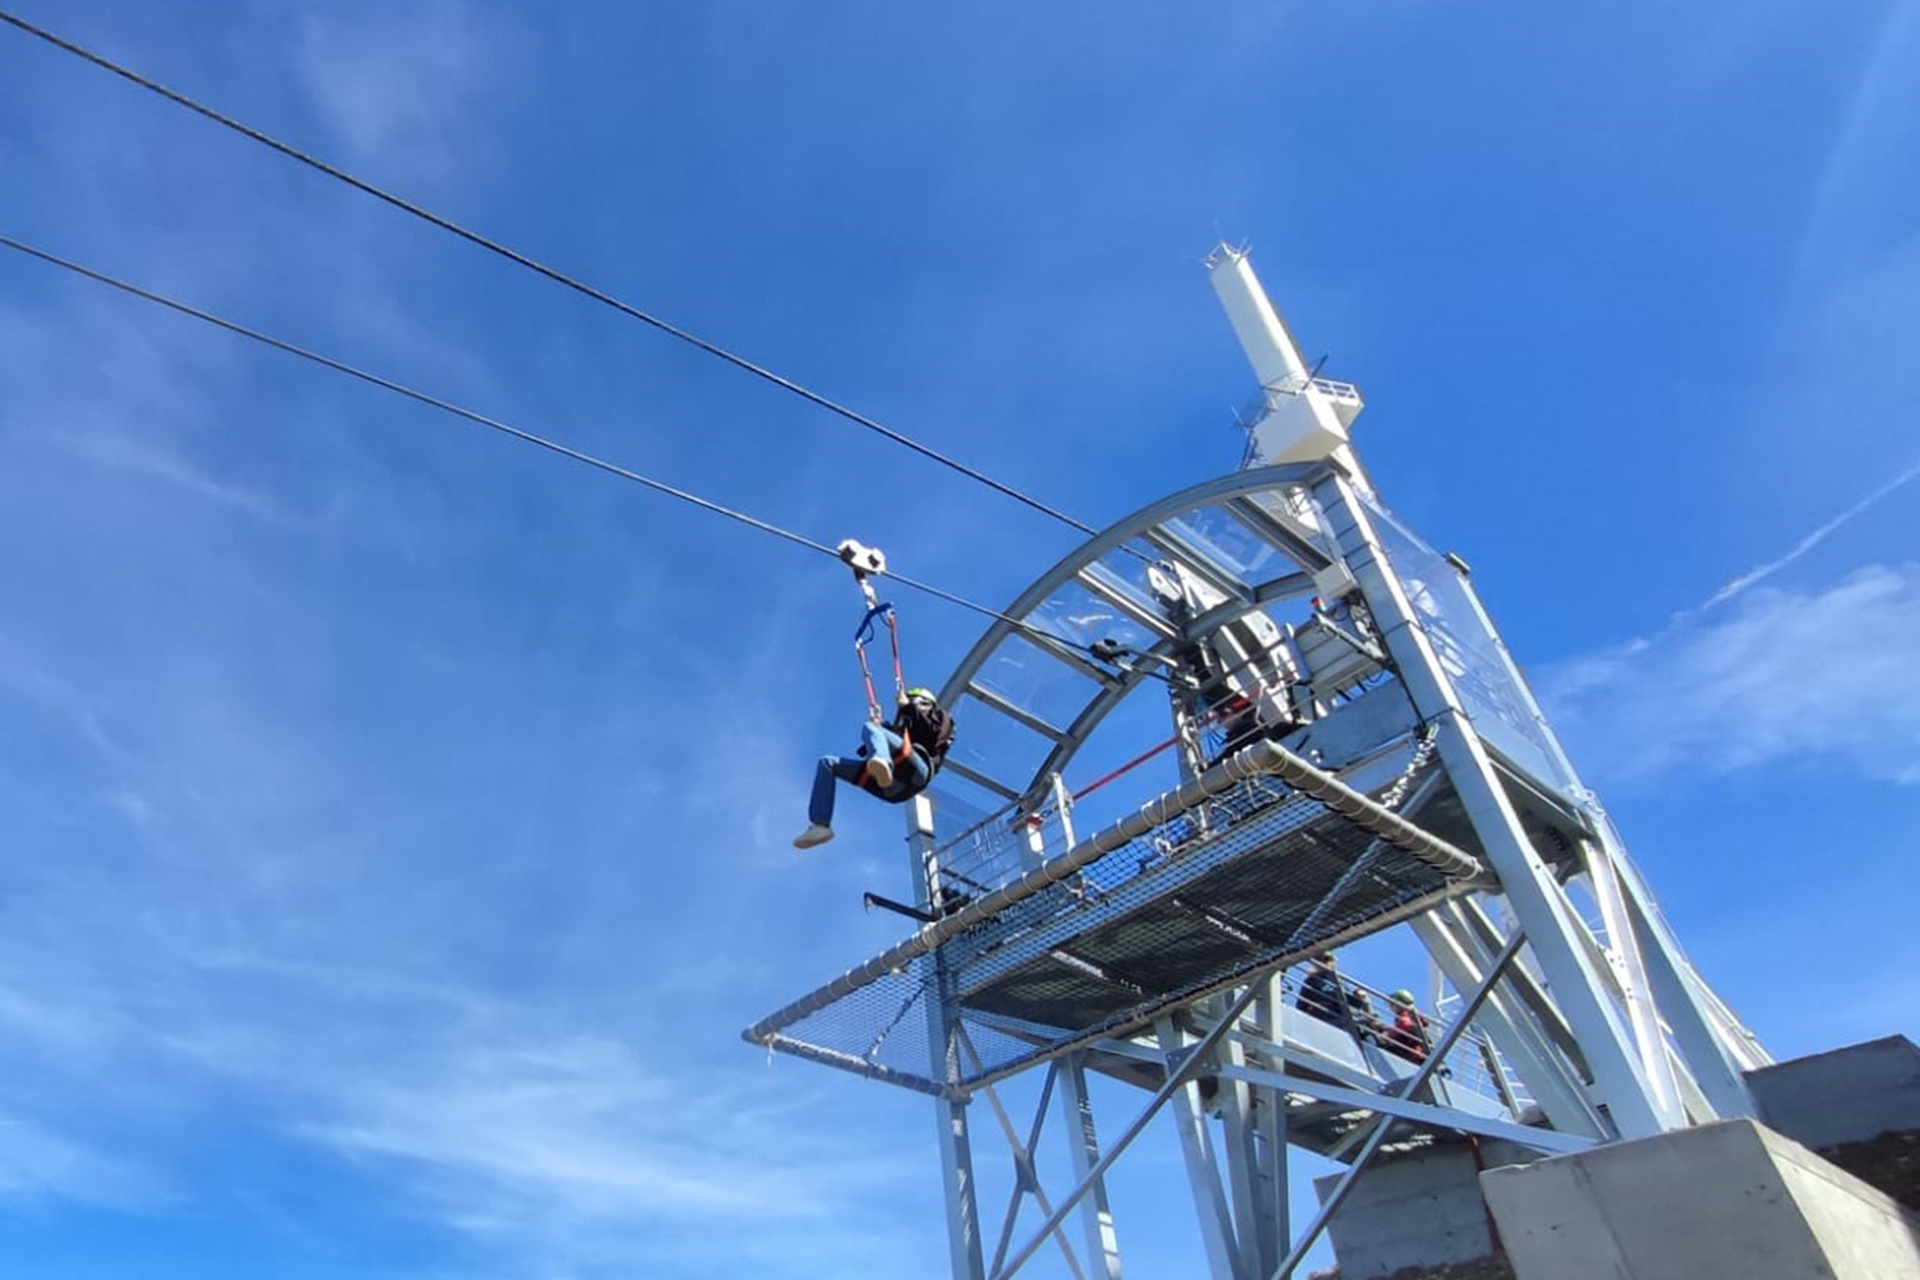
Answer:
(1113, 688)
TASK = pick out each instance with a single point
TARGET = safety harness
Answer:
(867, 562)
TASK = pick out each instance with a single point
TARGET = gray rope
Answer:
(495, 424)
(445, 406)
(551, 273)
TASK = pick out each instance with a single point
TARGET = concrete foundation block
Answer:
(1418, 1211)
(1858, 1106)
(1732, 1199)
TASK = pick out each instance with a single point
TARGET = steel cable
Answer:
(532, 264)
(528, 437)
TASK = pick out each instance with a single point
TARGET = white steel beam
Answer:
(1083, 1154)
(1636, 992)
(1698, 1016)
(1203, 1173)
(1689, 1014)
(1264, 336)
(1301, 424)
(1547, 1074)
(1542, 910)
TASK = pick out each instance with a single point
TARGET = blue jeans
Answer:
(910, 775)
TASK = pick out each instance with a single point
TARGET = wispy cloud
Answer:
(233, 907)
(519, 1133)
(36, 1162)
(517, 1124)
(1582, 675)
(393, 87)
(149, 458)
(1775, 674)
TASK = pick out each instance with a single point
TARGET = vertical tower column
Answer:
(957, 1185)
(1083, 1152)
(1546, 917)
(1224, 1261)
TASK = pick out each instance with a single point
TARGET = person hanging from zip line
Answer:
(897, 759)
(895, 763)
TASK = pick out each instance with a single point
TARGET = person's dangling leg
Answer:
(830, 770)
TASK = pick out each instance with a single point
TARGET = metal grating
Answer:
(1248, 880)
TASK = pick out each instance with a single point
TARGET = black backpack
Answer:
(928, 727)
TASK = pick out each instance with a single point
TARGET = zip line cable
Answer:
(551, 273)
(528, 437)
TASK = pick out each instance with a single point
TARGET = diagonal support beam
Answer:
(1177, 1077)
(1026, 1179)
(1550, 1141)
(1547, 1074)
(1384, 1124)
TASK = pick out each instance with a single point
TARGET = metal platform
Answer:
(1259, 862)
(1241, 881)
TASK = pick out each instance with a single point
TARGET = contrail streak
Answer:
(1807, 543)
(1579, 676)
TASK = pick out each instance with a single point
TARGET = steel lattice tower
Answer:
(1353, 750)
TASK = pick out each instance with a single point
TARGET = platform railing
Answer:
(1474, 1065)
(1018, 836)
(1000, 848)
(1011, 842)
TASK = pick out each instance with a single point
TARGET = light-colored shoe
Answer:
(816, 833)
(880, 771)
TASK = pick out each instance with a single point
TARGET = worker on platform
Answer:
(1329, 998)
(1408, 1035)
(896, 761)
(1320, 993)
(1324, 995)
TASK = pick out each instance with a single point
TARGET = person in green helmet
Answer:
(1408, 1034)
(896, 761)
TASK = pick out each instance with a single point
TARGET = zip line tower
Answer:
(1297, 728)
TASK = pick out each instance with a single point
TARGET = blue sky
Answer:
(397, 818)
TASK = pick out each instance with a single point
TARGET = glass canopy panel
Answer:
(1027, 677)
(960, 804)
(1293, 508)
(1497, 701)
(995, 745)
(1080, 617)
(1230, 543)
(1132, 562)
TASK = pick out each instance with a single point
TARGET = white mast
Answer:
(1304, 418)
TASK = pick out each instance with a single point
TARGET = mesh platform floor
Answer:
(1254, 879)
